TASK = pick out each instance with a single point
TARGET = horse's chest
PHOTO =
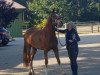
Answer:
(50, 41)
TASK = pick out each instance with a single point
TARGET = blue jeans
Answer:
(73, 53)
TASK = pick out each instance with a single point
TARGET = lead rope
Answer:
(59, 40)
(61, 67)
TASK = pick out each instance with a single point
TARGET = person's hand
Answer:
(70, 41)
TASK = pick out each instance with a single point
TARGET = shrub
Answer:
(42, 24)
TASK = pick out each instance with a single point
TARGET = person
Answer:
(72, 39)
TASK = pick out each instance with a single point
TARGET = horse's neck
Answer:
(49, 28)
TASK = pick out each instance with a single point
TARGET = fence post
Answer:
(92, 28)
(98, 27)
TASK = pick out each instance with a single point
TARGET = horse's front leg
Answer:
(57, 55)
(46, 61)
(31, 71)
(56, 52)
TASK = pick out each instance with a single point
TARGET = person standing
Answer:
(72, 39)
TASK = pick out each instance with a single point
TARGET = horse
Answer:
(43, 39)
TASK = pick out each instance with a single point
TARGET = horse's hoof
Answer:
(64, 74)
(31, 73)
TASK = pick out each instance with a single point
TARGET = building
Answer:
(16, 28)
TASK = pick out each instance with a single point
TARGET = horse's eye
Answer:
(59, 17)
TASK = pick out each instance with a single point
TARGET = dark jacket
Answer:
(71, 35)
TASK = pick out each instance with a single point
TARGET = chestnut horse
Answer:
(43, 39)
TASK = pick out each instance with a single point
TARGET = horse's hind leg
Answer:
(33, 52)
(26, 54)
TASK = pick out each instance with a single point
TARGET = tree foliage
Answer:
(89, 10)
(70, 10)
(7, 13)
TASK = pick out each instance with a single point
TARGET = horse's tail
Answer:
(26, 54)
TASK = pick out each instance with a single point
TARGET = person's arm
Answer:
(61, 31)
(76, 37)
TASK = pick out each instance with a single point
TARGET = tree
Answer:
(70, 10)
(73, 10)
(89, 10)
(42, 8)
(7, 14)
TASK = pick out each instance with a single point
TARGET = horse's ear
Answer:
(57, 10)
(53, 11)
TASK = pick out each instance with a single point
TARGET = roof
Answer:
(15, 4)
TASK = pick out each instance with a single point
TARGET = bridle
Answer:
(58, 31)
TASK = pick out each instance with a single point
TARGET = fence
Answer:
(88, 27)
(82, 27)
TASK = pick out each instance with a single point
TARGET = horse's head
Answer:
(56, 19)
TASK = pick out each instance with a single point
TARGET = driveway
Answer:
(88, 59)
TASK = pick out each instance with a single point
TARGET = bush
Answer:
(42, 24)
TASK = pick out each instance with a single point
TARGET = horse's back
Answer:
(34, 36)
(29, 31)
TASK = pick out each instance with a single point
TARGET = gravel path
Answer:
(88, 59)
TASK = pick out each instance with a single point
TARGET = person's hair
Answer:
(72, 24)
